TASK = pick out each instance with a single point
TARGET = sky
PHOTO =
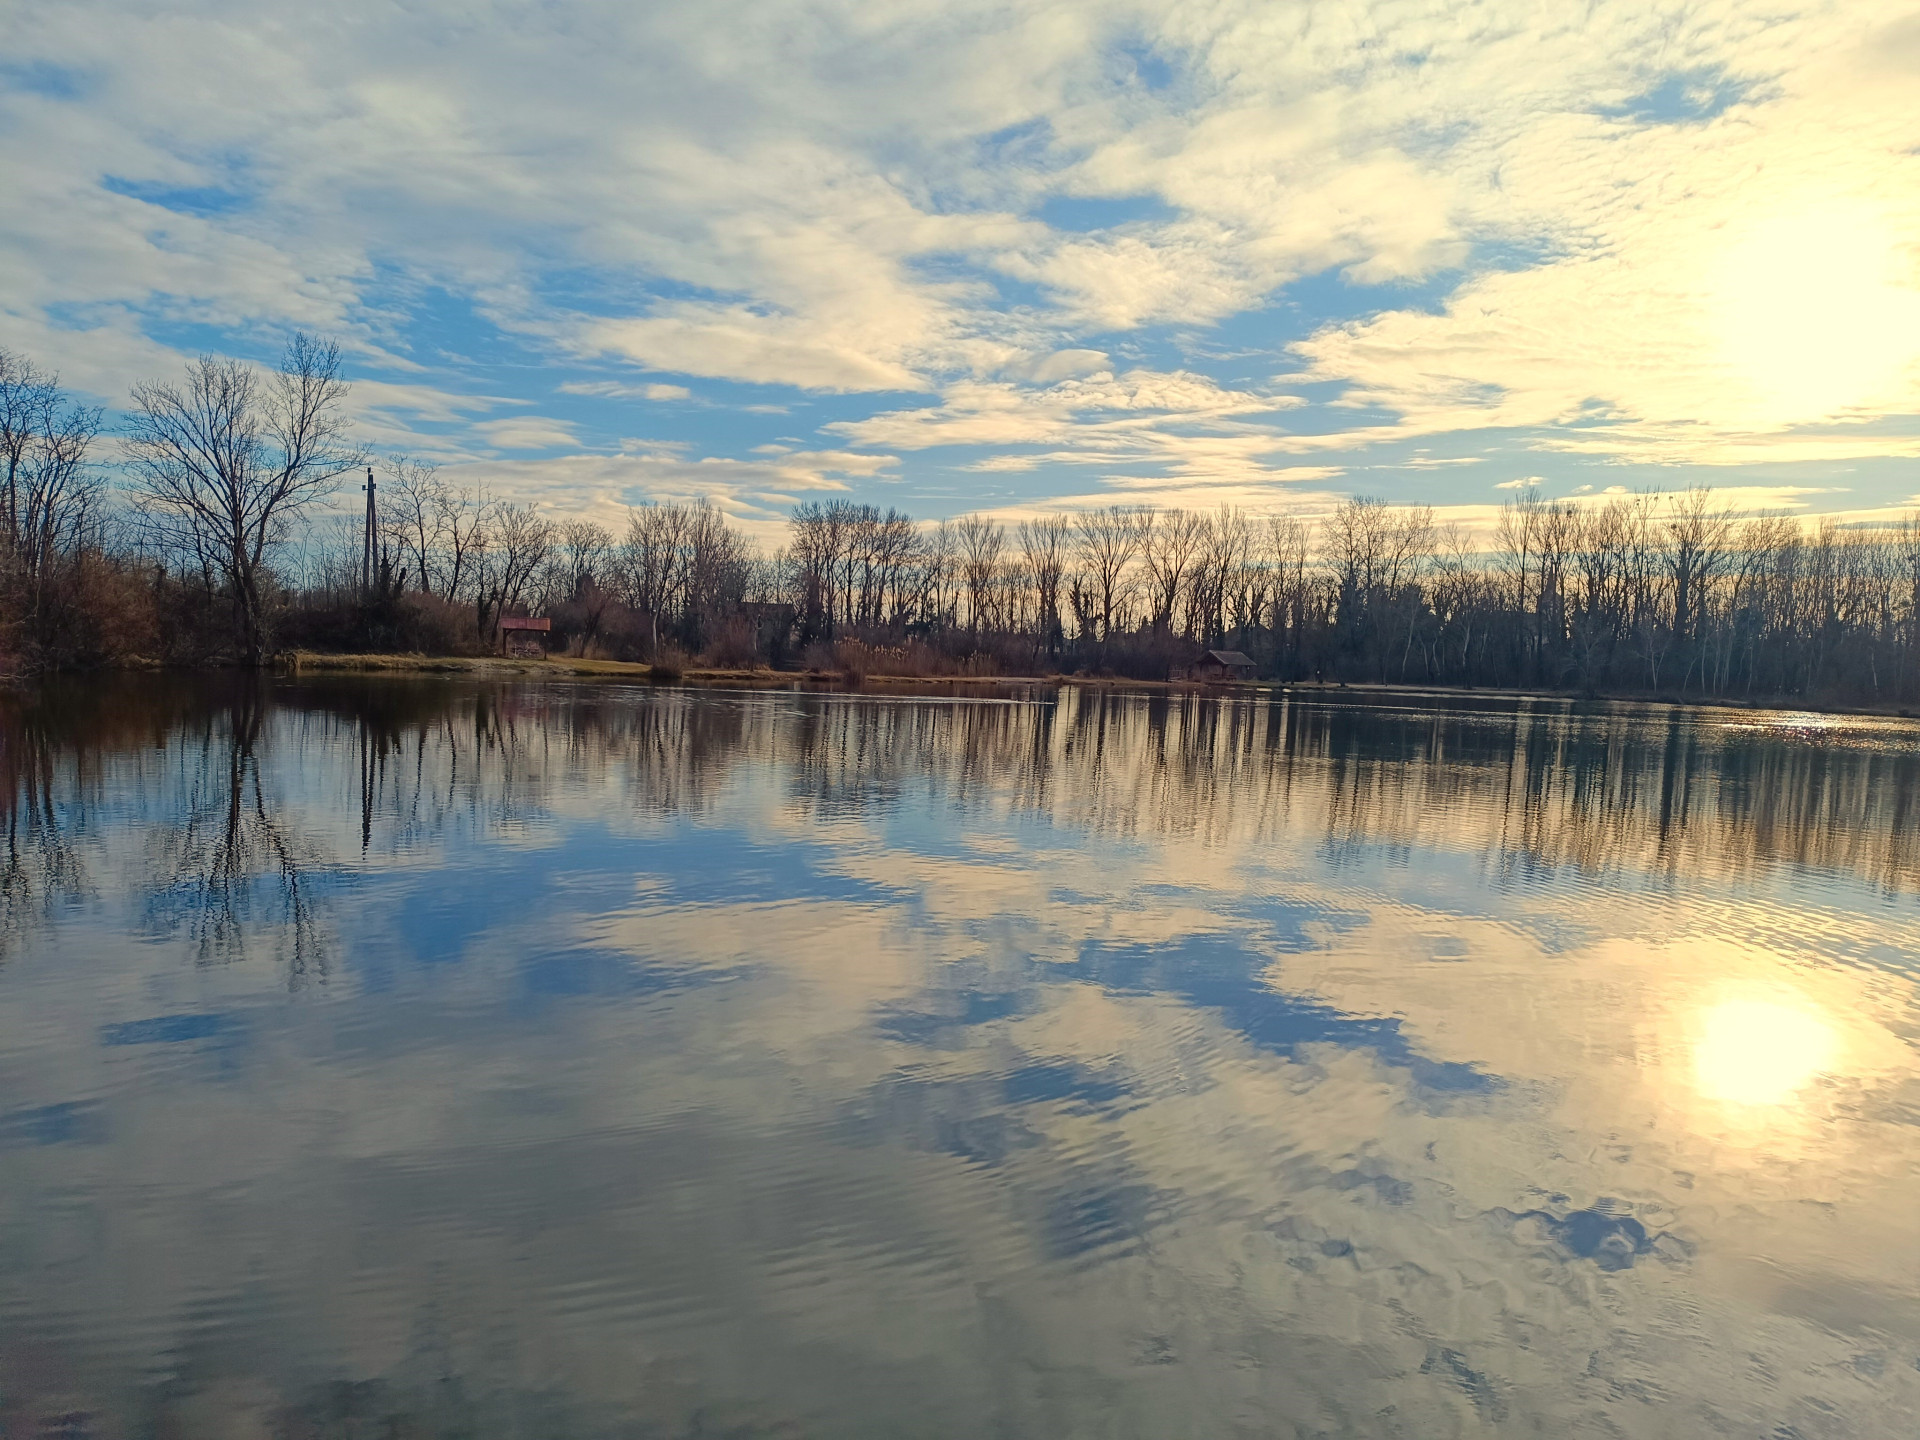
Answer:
(1013, 258)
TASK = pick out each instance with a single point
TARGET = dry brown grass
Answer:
(908, 660)
(306, 661)
(890, 669)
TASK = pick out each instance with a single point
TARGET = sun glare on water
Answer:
(1761, 1052)
(1819, 312)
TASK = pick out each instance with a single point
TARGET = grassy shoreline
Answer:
(566, 668)
(560, 666)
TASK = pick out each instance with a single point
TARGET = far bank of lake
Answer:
(581, 668)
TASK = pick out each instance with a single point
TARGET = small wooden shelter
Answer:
(1220, 665)
(523, 637)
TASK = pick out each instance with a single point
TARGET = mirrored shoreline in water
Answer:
(604, 1061)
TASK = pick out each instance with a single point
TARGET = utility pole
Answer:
(367, 547)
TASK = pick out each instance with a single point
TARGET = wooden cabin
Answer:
(1221, 665)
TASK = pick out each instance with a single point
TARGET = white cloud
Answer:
(1060, 365)
(1097, 408)
(826, 200)
(527, 432)
(616, 390)
(738, 343)
(755, 494)
(1437, 462)
(1299, 489)
(1720, 282)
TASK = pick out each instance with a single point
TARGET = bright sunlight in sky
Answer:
(1820, 313)
(973, 255)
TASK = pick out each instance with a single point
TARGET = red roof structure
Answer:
(523, 637)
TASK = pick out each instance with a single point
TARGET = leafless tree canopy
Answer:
(1046, 551)
(683, 571)
(439, 530)
(1107, 541)
(1652, 593)
(520, 545)
(228, 458)
(50, 504)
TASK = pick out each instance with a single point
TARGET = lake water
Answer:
(403, 1059)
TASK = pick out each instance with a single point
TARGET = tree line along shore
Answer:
(197, 535)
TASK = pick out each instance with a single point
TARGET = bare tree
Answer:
(587, 552)
(820, 545)
(1225, 561)
(685, 568)
(937, 602)
(439, 529)
(1170, 542)
(982, 543)
(465, 527)
(1106, 541)
(51, 496)
(1044, 547)
(226, 461)
(864, 547)
(718, 567)
(1357, 540)
(896, 546)
(653, 561)
(24, 393)
(1286, 545)
(1906, 550)
(407, 514)
(522, 541)
(1695, 552)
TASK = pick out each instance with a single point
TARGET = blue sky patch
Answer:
(1682, 97)
(974, 221)
(199, 200)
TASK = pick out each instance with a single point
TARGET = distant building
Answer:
(524, 638)
(1218, 665)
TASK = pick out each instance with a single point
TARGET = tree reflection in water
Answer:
(231, 864)
(697, 1063)
(1606, 788)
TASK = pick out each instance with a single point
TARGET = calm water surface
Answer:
(404, 1059)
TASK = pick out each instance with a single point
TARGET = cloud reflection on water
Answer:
(770, 1064)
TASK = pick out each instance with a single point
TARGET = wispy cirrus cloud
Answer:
(755, 494)
(620, 390)
(527, 432)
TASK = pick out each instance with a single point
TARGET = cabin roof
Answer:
(523, 622)
(1226, 657)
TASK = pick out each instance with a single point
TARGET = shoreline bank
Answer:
(305, 663)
